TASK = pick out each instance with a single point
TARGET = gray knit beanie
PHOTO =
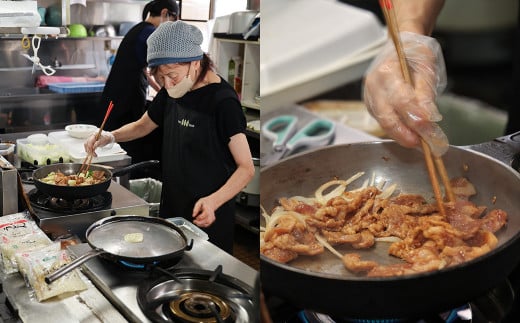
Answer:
(174, 42)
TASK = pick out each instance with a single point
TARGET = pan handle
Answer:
(505, 148)
(73, 265)
(127, 169)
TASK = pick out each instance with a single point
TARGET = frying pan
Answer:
(78, 192)
(162, 241)
(321, 283)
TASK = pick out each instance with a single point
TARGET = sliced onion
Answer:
(373, 180)
(388, 239)
(342, 184)
(337, 191)
(276, 215)
(327, 245)
(387, 192)
(303, 199)
(264, 214)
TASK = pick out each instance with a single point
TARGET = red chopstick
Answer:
(86, 163)
(110, 106)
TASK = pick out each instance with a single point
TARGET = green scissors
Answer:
(282, 130)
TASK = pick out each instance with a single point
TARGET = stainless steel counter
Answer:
(86, 306)
(123, 291)
(112, 298)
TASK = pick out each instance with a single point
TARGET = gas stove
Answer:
(500, 304)
(59, 218)
(204, 265)
(196, 295)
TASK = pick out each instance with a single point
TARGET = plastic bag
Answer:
(10, 246)
(16, 225)
(23, 263)
(39, 263)
(17, 233)
(148, 189)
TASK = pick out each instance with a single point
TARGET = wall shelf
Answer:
(249, 52)
(18, 32)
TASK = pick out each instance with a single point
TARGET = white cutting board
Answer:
(76, 150)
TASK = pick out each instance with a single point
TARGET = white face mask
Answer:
(181, 88)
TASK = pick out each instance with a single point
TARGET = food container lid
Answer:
(6, 148)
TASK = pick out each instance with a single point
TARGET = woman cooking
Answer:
(205, 153)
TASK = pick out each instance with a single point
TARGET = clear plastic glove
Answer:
(404, 111)
(106, 139)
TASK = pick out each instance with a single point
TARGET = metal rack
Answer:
(19, 31)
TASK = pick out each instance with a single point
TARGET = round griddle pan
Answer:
(162, 241)
(321, 283)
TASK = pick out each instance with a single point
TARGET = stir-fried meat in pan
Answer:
(289, 239)
(420, 236)
(61, 179)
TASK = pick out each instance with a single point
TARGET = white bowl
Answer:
(37, 139)
(81, 131)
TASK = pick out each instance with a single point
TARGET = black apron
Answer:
(199, 163)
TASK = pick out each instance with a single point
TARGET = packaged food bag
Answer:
(10, 246)
(38, 264)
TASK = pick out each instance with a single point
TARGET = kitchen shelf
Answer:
(63, 67)
(249, 52)
(17, 31)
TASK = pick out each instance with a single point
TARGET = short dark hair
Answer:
(155, 7)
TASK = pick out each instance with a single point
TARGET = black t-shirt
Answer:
(196, 158)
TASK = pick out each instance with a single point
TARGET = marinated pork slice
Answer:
(353, 262)
(288, 238)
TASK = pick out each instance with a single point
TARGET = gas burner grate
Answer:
(42, 201)
(193, 295)
(198, 306)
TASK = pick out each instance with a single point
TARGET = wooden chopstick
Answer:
(88, 159)
(431, 162)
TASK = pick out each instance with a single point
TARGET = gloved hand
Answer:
(404, 111)
(105, 139)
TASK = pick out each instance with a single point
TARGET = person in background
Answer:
(206, 156)
(128, 81)
(407, 112)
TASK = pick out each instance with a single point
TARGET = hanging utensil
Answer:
(26, 42)
(88, 159)
(36, 40)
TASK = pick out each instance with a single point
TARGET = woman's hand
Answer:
(204, 212)
(408, 112)
(106, 138)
